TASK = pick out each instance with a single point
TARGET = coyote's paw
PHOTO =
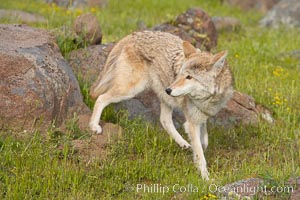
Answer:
(204, 174)
(96, 128)
(184, 145)
(203, 170)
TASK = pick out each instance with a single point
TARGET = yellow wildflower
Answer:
(212, 196)
(209, 197)
(93, 10)
(78, 11)
(280, 72)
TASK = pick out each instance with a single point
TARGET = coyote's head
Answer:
(198, 75)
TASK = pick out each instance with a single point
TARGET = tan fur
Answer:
(180, 82)
(199, 83)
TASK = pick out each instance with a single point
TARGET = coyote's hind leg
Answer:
(101, 102)
(115, 94)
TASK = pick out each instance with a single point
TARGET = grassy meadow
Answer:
(35, 168)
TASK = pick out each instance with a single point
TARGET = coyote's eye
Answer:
(188, 77)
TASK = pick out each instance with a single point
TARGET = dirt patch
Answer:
(95, 147)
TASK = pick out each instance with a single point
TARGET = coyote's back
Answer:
(149, 52)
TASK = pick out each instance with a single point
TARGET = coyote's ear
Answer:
(219, 59)
(188, 49)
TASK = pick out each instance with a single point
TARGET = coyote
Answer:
(198, 83)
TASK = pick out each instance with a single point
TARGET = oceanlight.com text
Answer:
(251, 190)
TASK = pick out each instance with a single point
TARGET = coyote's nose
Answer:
(168, 91)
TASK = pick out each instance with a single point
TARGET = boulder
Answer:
(241, 109)
(226, 24)
(87, 27)
(176, 31)
(37, 86)
(284, 13)
(260, 5)
(195, 26)
(257, 188)
(21, 16)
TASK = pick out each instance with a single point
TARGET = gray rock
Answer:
(241, 109)
(87, 27)
(166, 27)
(256, 188)
(21, 16)
(194, 26)
(136, 109)
(286, 12)
(37, 86)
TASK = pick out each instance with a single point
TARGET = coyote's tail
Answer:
(99, 87)
(105, 78)
(108, 74)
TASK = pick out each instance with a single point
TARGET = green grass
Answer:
(35, 168)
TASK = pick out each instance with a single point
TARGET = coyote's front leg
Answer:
(167, 123)
(203, 132)
(199, 159)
